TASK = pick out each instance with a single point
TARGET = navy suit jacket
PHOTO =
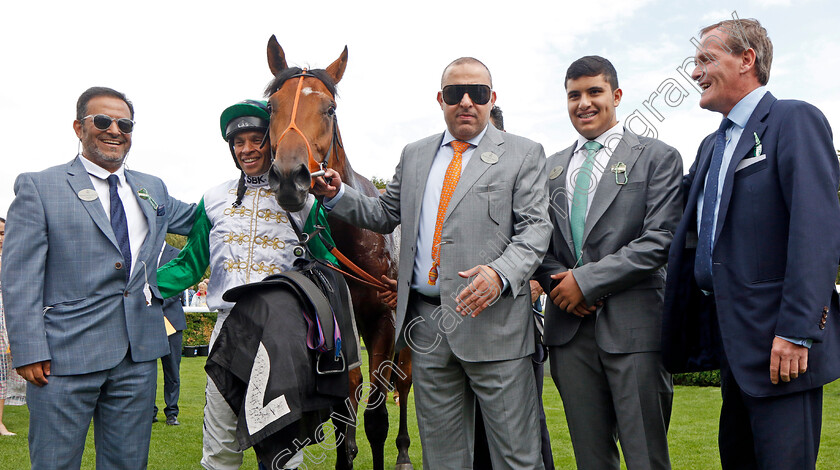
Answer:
(775, 256)
(65, 292)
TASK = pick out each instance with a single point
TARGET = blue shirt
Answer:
(428, 211)
(739, 115)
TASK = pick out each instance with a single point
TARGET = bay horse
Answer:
(304, 136)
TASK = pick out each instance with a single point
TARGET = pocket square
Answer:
(749, 161)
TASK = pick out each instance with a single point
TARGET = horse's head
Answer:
(303, 128)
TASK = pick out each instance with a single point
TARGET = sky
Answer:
(183, 62)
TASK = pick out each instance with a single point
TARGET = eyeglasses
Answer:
(479, 94)
(103, 122)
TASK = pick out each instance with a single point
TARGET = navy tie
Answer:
(703, 259)
(119, 223)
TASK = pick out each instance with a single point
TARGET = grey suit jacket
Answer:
(497, 216)
(64, 289)
(626, 238)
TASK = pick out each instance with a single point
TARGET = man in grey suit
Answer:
(464, 308)
(615, 203)
(79, 285)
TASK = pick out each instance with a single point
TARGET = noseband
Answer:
(314, 165)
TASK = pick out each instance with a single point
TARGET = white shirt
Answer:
(138, 227)
(609, 140)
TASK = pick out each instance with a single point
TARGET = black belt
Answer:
(425, 298)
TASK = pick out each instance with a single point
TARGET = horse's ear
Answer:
(276, 56)
(336, 69)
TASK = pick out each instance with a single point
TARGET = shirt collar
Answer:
(742, 111)
(447, 138)
(609, 139)
(102, 173)
(256, 181)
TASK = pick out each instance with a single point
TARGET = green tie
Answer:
(582, 188)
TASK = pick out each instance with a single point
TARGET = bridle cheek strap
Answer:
(313, 165)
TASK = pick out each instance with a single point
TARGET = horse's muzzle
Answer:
(290, 189)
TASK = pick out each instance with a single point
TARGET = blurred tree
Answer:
(379, 182)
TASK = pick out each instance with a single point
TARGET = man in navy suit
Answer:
(752, 290)
(173, 310)
(80, 290)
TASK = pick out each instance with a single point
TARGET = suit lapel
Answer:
(627, 151)
(557, 186)
(491, 142)
(755, 125)
(423, 161)
(150, 215)
(79, 181)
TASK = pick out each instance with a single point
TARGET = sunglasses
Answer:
(103, 122)
(479, 94)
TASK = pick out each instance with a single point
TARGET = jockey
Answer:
(243, 235)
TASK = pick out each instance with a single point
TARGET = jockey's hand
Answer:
(327, 185)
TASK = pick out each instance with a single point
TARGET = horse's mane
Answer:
(288, 73)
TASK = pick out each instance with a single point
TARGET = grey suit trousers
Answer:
(117, 399)
(613, 396)
(445, 390)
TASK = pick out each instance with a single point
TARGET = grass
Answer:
(692, 437)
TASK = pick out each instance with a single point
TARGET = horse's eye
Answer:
(331, 111)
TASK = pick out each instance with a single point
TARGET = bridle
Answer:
(316, 168)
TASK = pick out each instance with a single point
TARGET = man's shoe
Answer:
(172, 421)
(154, 419)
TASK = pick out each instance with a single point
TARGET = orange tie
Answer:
(453, 173)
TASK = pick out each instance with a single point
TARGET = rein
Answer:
(314, 166)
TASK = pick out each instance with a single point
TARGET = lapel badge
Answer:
(145, 195)
(620, 169)
(489, 157)
(757, 149)
(555, 172)
(88, 195)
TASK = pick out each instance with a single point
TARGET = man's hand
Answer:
(388, 297)
(322, 188)
(35, 373)
(536, 291)
(567, 295)
(482, 291)
(787, 360)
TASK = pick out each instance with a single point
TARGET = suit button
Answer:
(118, 265)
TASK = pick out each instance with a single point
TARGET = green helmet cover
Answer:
(247, 114)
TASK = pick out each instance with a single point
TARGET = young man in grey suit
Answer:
(463, 299)
(615, 202)
(82, 305)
